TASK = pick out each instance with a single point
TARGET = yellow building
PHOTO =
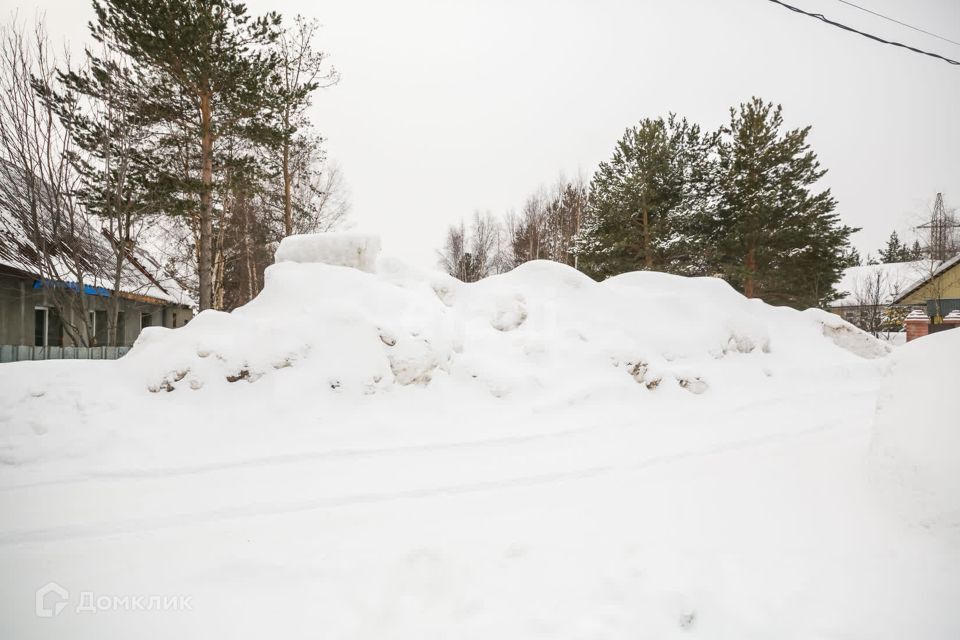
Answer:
(939, 291)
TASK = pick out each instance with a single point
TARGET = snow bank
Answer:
(544, 328)
(345, 249)
(916, 447)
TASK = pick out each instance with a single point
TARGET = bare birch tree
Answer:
(301, 71)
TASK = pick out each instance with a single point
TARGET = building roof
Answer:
(885, 283)
(142, 275)
(929, 275)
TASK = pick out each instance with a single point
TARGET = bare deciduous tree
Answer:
(549, 223)
(870, 298)
(98, 107)
(38, 182)
(301, 71)
(454, 258)
(474, 253)
(320, 199)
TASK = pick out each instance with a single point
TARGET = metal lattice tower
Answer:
(941, 228)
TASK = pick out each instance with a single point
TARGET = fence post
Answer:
(952, 319)
(917, 324)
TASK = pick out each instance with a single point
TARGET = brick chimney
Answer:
(917, 324)
(952, 319)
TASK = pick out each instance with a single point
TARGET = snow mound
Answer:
(345, 249)
(542, 328)
(916, 446)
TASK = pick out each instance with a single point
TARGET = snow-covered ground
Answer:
(387, 453)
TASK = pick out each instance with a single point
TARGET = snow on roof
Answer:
(859, 285)
(141, 275)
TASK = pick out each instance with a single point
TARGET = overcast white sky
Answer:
(450, 106)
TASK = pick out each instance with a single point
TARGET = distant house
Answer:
(31, 316)
(937, 290)
(865, 292)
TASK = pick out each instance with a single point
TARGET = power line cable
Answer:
(822, 18)
(908, 26)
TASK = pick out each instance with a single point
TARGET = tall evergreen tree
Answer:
(777, 238)
(645, 200)
(100, 104)
(851, 258)
(916, 252)
(207, 69)
(895, 251)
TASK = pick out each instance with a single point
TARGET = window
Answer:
(97, 327)
(146, 319)
(40, 321)
(174, 319)
(54, 328)
(121, 320)
(47, 328)
(100, 326)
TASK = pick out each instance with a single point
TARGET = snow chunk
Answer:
(343, 249)
(511, 312)
(413, 359)
(845, 335)
(916, 446)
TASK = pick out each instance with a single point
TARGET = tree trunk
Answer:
(647, 256)
(287, 186)
(113, 302)
(750, 262)
(205, 258)
(248, 253)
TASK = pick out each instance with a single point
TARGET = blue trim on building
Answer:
(88, 289)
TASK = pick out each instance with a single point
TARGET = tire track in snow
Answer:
(336, 454)
(149, 525)
(309, 456)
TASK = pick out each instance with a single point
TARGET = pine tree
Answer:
(916, 252)
(777, 238)
(895, 251)
(644, 200)
(851, 258)
(99, 104)
(207, 70)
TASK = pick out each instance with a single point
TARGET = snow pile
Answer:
(395, 454)
(538, 330)
(347, 249)
(916, 445)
